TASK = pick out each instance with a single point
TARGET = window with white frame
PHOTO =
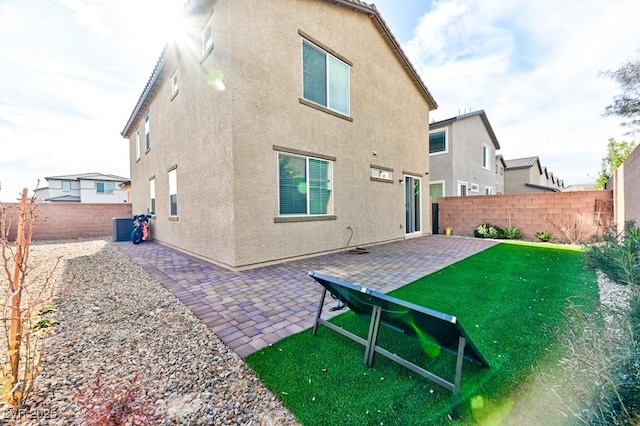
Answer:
(325, 79)
(475, 187)
(436, 190)
(207, 39)
(152, 195)
(304, 185)
(66, 186)
(173, 192)
(486, 157)
(174, 84)
(488, 190)
(463, 189)
(147, 140)
(438, 141)
(137, 144)
(104, 187)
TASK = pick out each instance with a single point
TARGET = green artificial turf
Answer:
(510, 299)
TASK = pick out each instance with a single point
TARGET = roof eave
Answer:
(373, 13)
(146, 93)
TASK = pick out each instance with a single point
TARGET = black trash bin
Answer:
(122, 228)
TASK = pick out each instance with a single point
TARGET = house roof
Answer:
(89, 176)
(65, 199)
(544, 188)
(523, 163)
(479, 113)
(356, 5)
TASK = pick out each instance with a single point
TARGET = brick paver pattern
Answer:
(251, 309)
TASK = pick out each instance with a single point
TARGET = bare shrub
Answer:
(26, 291)
(575, 229)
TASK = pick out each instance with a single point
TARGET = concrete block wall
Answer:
(631, 187)
(582, 211)
(70, 220)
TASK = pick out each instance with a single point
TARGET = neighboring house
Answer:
(84, 188)
(286, 128)
(528, 175)
(462, 157)
(580, 187)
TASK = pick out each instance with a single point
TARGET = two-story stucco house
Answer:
(280, 129)
(528, 175)
(462, 157)
(85, 188)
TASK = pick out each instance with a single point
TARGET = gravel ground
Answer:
(116, 321)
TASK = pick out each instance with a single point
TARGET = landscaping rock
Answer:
(117, 322)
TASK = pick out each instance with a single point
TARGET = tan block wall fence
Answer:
(72, 220)
(531, 212)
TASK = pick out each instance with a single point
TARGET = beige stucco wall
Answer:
(223, 143)
(632, 186)
(193, 132)
(626, 190)
(515, 180)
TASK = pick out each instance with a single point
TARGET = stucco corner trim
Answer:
(323, 109)
(303, 219)
(303, 153)
(373, 166)
(404, 172)
(376, 179)
(325, 47)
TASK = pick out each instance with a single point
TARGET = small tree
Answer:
(617, 152)
(24, 296)
(626, 105)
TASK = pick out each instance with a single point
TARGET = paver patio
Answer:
(251, 309)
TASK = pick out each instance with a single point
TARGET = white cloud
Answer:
(534, 68)
(70, 79)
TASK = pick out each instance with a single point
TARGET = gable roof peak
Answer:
(479, 113)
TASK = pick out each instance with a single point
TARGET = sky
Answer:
(72, 71)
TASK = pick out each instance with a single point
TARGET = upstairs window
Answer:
(147, 140)
(174, 84)
(305, 185)
(325, 79)
(438, 142)
(486, 157)
(207, 39)
(66, 186)
(104, 187)
(137, 144)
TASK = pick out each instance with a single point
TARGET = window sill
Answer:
(173, 96)
(173, 218)
(290, 219)
(324, 109)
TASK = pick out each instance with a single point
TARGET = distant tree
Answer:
(617, 152)
(627, 104)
